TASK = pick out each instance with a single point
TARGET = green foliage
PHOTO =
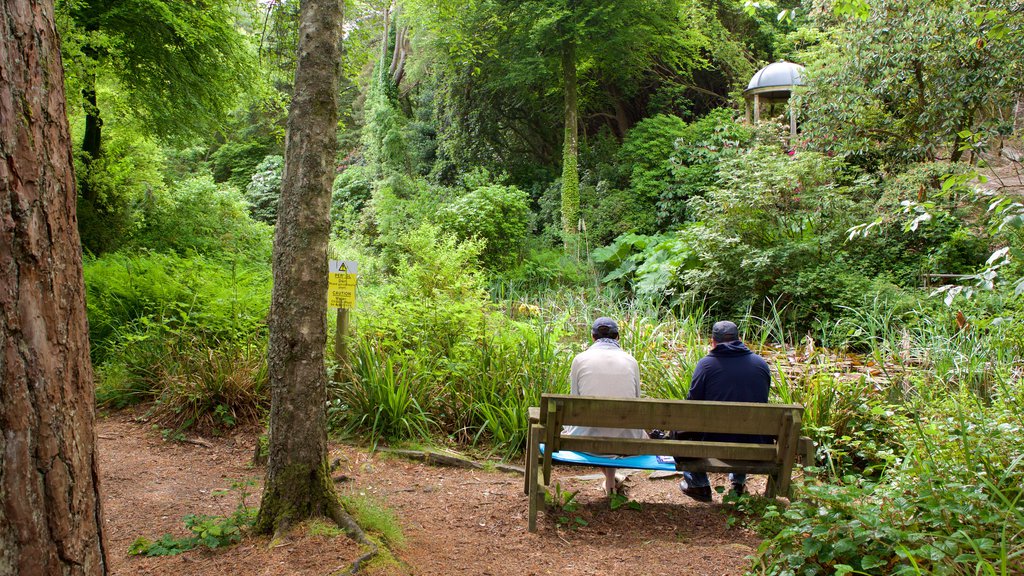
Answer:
(541, 268)
(264, 190)
(399, 206)
(208, 386)
(384, 141)
(385, 400)
(619, 501)
(350, 194)
(122, 182)
(564, 506)
(645, 154)
(497, 215)
(199, 216)
(179, 65)
(951, 507)
(438, 291)
(131, 297)
(235, 162)
(186, 332)
(875, 94)
(694, 164)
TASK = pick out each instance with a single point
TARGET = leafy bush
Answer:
(131, 297)
(186, 332)
(610, 212)
(387, 399)
(209, 386)
(350, 193)
(437, 301)
(264, 189)
(399, 205)
(693, 167)
(235, 162)
(497, 215)
(645, 154)
(951, 506)
(121, 182)
(200, 216)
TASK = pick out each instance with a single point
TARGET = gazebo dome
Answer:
(775, 77)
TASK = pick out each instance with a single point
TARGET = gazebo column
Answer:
(757, 108)
(792, 121)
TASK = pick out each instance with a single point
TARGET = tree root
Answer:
(355, 532)
(439, 459)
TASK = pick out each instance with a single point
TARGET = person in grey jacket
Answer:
(605, 369)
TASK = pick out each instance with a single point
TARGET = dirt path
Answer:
(456, 522)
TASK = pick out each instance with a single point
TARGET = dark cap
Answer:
(604, 327)
(725, 331)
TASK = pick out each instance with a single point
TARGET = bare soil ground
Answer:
(456, 521)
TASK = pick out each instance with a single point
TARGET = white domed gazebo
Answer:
(771, 85)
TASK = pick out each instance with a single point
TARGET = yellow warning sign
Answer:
(341, 291)
(341, 285)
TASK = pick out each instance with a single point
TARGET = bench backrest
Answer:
(779, 421)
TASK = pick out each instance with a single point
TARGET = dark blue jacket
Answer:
(731, 373)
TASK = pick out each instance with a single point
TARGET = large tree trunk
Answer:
(50, 517)
(297, 484)
(570, 148)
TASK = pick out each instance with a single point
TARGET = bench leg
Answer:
(773, 486)
(533, 476)
(526, 467)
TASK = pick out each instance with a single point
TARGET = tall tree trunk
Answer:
(297, 483)
(570, 149)
(50, 516)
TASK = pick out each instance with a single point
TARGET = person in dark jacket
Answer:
(729, 373)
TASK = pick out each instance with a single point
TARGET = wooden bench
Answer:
(779, 421)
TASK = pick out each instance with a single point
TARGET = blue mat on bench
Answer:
(644, 462)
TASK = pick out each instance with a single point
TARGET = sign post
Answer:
(341, 294)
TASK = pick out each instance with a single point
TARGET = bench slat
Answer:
(650, 413)
(682, 448)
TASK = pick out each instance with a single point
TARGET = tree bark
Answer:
(298, 483)
(50, 514)
(570, 149)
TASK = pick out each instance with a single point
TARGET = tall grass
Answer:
(386, 399)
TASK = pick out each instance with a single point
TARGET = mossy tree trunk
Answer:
(50, 513)
(570, 150)
(298, 485)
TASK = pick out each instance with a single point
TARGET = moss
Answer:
(296, 493)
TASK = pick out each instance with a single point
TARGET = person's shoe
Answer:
(738, 489)
(698, 493)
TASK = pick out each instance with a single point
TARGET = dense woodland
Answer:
(508, 170)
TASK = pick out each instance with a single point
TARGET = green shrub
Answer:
(209, 386)
(387, 399)
(131, 298)
(693, 166)
(200, 216)
(185, 332)
(645, 154)
(437, 301)
(350, 193)
(235, 162)
(610, 212)
(951, 505)
(121, 182)
(264, 189)
(497, 215)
